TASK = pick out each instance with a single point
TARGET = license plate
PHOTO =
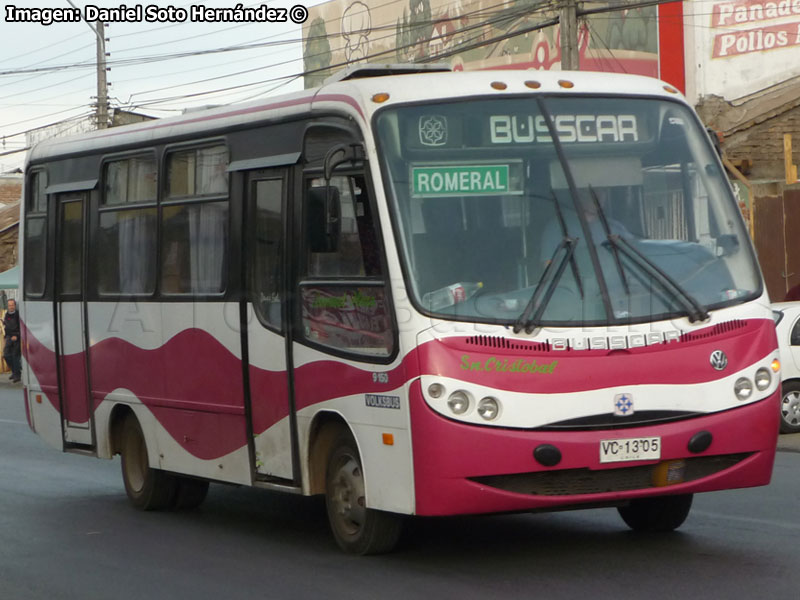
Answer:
(624, 450)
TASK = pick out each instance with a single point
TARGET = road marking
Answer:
(751, 520)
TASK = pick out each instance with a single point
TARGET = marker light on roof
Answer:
(670, 89)
(380, 97)
(499, 85)
(566, 84)
(534, 85)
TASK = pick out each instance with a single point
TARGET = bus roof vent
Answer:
(364, 70)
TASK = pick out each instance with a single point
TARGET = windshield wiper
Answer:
(525, 320)
(563, 224)
(694, 309)
(615, 251)
(573, 192)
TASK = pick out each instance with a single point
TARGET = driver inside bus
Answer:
(589, 199)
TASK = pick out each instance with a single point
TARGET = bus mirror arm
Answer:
(333, 160)
(333, 221)
(341, 153)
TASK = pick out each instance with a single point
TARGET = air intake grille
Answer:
(575, 482)
(496, 341)
(718, 329)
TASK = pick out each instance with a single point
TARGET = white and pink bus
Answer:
(417, 293)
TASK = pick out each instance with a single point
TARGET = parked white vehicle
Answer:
(788, 330)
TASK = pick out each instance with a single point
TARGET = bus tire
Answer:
(662, 513)
(190, 493)
(147, 488)
(356, 528)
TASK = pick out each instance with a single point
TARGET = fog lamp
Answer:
(436, 390)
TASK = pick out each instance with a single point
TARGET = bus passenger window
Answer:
(35, 255)
(37, 200)
(194, 243)
(198, 172)
(36, 236)
(194, 232)
(126, 243)
(130, 180)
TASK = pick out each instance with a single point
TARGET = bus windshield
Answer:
(563, 211)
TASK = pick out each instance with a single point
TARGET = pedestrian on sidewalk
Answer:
(13, 348)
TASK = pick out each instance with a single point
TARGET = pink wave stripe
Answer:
(193, 383)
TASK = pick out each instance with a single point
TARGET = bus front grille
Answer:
(575, 482)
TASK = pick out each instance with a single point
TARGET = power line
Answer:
(473, 42)
(499, 17)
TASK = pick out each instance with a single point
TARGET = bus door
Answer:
(271, 416)
(70, 314)
(343, 335)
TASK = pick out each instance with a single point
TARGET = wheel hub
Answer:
(790, 408)
(348, 496)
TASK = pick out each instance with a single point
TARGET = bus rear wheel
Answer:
(147, 488)
(356, 528)
(663, 513)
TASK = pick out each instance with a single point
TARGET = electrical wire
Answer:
(475, 42)
(149, 59)
(479, 27)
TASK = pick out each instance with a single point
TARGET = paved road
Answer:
(67, 532)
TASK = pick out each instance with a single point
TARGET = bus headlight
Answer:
(743, 388)
(763, 378)
(489, 408)
(436, 390)
(458, 402)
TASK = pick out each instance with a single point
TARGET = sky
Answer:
(48, 72)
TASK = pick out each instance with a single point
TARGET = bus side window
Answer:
(36, 236)
(356, 254)
(126, 237)
(352, 315)
(194, 225)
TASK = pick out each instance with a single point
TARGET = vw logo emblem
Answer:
(718, 360)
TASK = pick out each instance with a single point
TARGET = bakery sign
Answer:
(747, 26)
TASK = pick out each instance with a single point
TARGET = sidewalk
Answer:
(789, 442)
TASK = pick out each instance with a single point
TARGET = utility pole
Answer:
(568, 20)
(102, 83)
(101, 109)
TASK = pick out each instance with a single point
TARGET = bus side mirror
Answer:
(715, 140)
(323, 218)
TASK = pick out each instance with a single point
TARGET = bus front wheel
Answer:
(356, 528)
(147, 488)
(662, 513)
